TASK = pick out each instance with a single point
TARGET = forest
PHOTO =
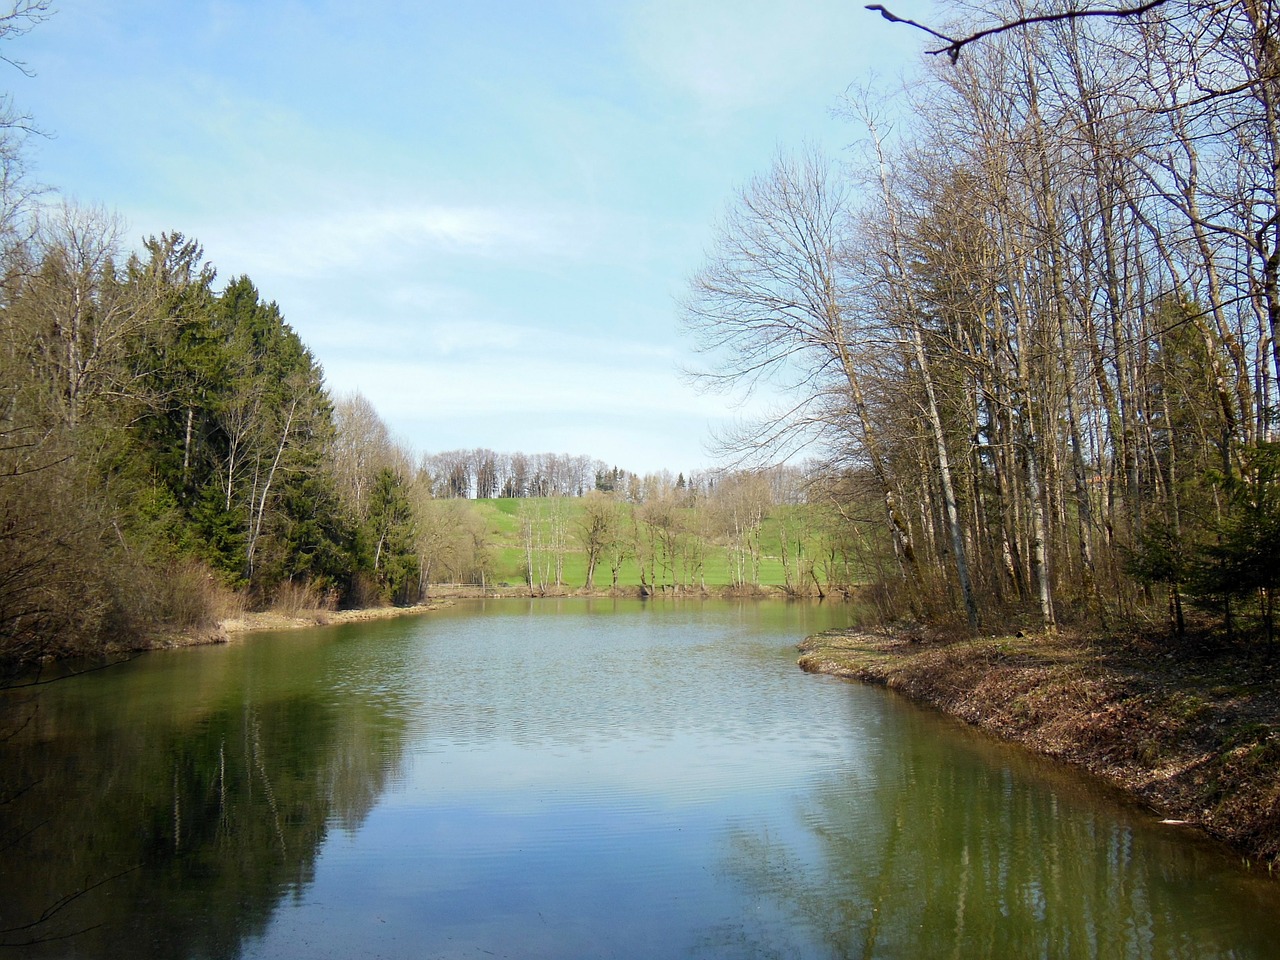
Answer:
(1032, 318)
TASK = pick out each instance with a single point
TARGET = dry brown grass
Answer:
(301, 599)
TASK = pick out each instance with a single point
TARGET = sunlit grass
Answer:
(504, 520)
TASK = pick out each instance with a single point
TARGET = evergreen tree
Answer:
(392, 538)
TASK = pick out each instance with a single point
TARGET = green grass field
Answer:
(504, 522)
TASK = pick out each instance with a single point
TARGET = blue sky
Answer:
(478, 214)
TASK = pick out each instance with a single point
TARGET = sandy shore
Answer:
(272, 620)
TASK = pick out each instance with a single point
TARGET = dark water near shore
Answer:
(560, 779)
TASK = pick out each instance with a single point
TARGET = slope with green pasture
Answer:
(509, 521)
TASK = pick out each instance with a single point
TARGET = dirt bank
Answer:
(225, 630)
(1195, 736)
(274, 620)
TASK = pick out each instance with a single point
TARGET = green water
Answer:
(567, 779)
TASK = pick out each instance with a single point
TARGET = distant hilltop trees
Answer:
(481, 474)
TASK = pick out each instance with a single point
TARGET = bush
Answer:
(295, 598)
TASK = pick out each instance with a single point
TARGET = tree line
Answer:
(1032, 326)
(168, 448)
(1032, 320)
(170, 451)
(482, 474)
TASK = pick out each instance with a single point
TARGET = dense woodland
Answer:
(1033, 317)
(1028, 325)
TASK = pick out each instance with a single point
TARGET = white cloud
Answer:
(480, 386)
(638, 414)
(375, 239)
(447, 338)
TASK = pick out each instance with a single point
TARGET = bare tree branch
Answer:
(22, 16)
(955, 45)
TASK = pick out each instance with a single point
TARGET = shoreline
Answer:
(224, 630)
(1195, 738)
(274, 620)
(263, 621)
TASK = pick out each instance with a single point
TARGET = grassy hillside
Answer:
(504, 521)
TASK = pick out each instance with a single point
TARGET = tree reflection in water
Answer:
(200, 818)
(953, 854)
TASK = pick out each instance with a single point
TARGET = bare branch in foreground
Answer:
(954, 45)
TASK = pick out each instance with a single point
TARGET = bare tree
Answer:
(362, 446)
(769, 309)
(889, 269)
(87, 321)
(742, 499)
(597, 529)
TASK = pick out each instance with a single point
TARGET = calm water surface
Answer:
(568, 779)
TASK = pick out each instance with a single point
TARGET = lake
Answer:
(563, 779)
